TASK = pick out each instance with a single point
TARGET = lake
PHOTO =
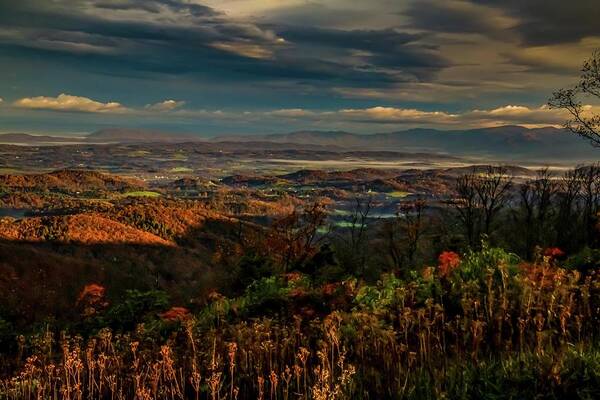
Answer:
(13, 212)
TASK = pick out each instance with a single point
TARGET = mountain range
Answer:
(502, 143)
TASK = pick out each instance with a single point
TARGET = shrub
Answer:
(135, 307)
(476, 265)
(584, 261)
(265, 296)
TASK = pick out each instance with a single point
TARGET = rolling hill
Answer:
(81, 228)
(69, 181)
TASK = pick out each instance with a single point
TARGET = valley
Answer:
(136, 238)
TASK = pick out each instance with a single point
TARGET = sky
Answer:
(219, 67)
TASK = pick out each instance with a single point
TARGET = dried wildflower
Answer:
(213, 295)
(293, 277)
(428, 273)
(329, 289)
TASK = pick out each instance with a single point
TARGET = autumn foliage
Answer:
(448, 261)
(180, 299)
(176, 314)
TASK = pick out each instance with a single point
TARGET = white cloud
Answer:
(69, 103)
(515, 114)
(167, 105)
(397, 115)
(411, 117)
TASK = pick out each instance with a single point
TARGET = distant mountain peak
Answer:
(501, 142)
(132, 135)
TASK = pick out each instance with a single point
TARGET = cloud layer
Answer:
(380, 117)
(382, 60)
(387, 117)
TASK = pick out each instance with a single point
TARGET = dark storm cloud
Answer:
(198, 40)
(452, 16)
(535, 22)
(544, 22)
(374, 40)
(315, 14)
(154, 6)
(398, 52)
(207, 27)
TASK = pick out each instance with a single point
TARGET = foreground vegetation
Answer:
(491, 293)
(480, 325)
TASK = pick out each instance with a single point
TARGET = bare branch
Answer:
(581, 124)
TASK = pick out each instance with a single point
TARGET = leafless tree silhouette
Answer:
(582, 122)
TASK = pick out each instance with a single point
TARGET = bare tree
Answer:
(533, 209)
(589, 176)
(356, 240)
(568, 193)
(392, 240)
(403, 234)
(294, 238)
(467, 206)
(582, 122)
(358, 221)
(413, 224)
(480, 197)
(493, 191)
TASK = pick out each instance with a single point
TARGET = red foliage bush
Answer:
(91, 294)
(553, 252)
(92, 299)
(448, 261)
(176, 314)
(543, 276)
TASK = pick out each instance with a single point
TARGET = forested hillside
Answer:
(481, 283)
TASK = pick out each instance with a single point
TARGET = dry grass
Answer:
(487, 321)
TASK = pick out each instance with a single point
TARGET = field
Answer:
(398, 194)
(143, 193)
